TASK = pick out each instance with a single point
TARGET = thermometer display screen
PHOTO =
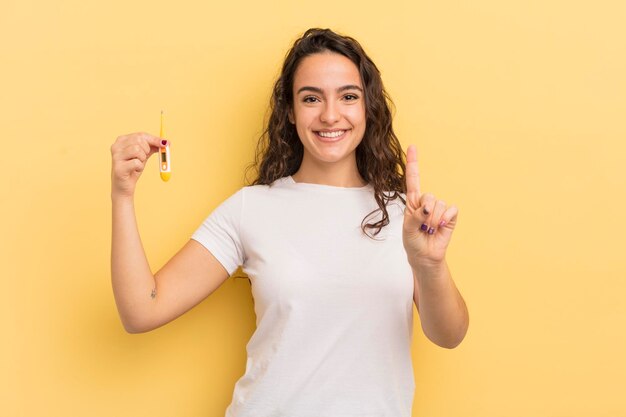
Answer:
(163, 157)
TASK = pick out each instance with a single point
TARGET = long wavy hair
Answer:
(379, 155)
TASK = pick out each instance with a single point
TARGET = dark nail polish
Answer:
(424, 227)
(163, 142)
(431, 231)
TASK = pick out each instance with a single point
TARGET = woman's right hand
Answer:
(130, 154)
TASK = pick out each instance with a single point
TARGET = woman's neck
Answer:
(338, 176)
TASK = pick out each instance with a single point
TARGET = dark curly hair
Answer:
(379, 155)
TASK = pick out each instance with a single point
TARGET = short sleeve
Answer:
(220, 232)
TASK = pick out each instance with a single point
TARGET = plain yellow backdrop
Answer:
(518, 112)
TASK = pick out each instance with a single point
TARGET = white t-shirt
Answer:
(334, 308)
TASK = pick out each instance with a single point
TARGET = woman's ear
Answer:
(290, 116)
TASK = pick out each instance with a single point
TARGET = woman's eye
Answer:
(351, 95)
(306, 99)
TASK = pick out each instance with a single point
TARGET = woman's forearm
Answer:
(442, 310)
(132, 280)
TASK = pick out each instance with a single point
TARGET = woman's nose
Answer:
(330, 113)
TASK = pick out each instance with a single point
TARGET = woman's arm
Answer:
(146, 301)
(442, 310)
(426, 233)
(134, 285)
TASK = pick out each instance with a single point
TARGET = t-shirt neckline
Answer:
(327, 187)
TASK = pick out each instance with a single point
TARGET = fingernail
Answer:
(424, 227)
(426, 211)
(442, 223)
(431, 231)
(163, 142)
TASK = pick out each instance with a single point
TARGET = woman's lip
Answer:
(338, 138)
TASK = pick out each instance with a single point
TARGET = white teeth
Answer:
(331, 134)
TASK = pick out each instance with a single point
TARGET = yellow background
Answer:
(518, 112)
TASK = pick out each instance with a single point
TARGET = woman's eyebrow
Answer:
(339, 90)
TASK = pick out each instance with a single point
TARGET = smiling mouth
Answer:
(331, 136)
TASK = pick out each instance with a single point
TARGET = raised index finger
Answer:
(413, 192)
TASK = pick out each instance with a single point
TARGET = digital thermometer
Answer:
(165, 167)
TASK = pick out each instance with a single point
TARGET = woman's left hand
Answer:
(428, 222)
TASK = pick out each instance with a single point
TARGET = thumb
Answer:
(157, 143)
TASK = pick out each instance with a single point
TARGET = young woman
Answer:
(333, 292)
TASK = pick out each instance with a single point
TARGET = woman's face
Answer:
(329, 106)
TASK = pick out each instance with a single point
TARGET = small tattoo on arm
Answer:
(153, 293)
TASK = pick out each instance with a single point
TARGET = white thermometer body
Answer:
(165, 168)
